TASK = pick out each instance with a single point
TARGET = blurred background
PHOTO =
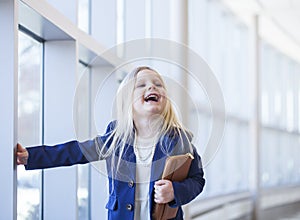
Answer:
(61, 69)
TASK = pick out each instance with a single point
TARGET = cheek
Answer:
(163, 94)
(137, 96)
(164, 102)
(164, 99)
(136, 105)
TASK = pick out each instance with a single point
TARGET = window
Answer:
(279, 119)
(83, 133)
(227, 57)
(29, 123)
(84, 15)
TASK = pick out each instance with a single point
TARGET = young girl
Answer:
(135, 148)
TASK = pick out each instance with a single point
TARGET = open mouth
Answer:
(151, 97)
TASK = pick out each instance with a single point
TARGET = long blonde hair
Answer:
(124, 130)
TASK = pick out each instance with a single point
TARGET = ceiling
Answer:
(286, 14)
(279, 22)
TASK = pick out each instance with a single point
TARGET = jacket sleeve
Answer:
(185, 191)
(66, 154)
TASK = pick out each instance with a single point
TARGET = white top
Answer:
(144, 151)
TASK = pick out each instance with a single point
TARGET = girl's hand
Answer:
(163, 191)
(22, 155)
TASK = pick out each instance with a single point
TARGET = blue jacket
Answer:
(120, 204)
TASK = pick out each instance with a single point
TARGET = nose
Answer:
(151, 86)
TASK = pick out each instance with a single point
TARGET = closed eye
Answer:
(157, 83)
(140, 85)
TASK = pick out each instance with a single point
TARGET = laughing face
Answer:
(149, 96)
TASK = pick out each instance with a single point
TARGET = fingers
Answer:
(22, 155)
(20, 148)
(163, 191)
(161, 182)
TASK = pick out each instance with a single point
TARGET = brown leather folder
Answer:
(176, 169)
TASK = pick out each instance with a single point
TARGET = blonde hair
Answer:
(124, 130)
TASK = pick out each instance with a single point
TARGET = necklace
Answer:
(144, 158)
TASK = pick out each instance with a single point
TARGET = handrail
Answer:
(275, 197)
(269, 198)
(206, 205)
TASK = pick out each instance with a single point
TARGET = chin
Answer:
(156, 111)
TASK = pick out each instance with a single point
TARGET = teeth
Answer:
(152, 97)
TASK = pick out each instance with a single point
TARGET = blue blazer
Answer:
(120, 204)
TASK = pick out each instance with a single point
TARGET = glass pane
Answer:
(83, 191)
(84, 15)
(83, 133)
(228, 58)
(279, 118)
(29, 123)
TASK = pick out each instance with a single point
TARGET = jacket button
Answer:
(129, 207)
(130, 183)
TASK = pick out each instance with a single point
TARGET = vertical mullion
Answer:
(43, 128)
(9, 103)
(15, 100)
(59, 183)
(90, 135)
(255, 124)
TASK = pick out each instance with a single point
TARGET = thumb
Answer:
(20, 148)
(160, 182)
